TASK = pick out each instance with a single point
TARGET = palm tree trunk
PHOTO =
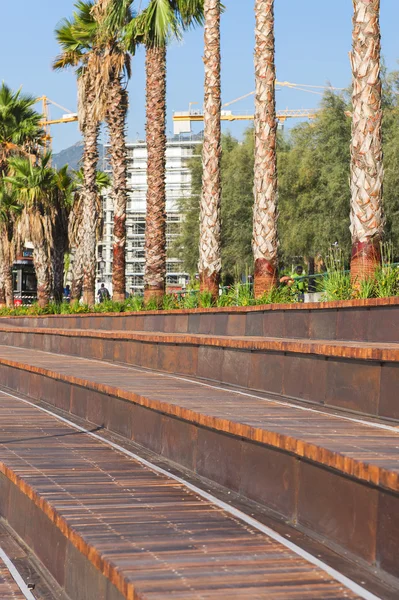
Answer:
(58, 271)
(210, 235)
(43, 275)
(367, 169)
(116, 119)
(265, 241)
(155, 234)
(2, 295)
(8, 285)
(6, 279)
(90, 213)
(77, 274)
(3, 269)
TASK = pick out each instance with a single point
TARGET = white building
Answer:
(178, 185)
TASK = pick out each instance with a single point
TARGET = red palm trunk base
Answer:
(154, 292)
(366, 256)
(265, 277)
(210, 284)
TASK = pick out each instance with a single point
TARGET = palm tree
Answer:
(60, 207)
(20, 134)
(94, 43)
(20, 130)
(367, 172)
(210, 233)
(115, 70)
(10, 210)
(75, 38)
(154, 27)
(264, 240)
(75, 229)
(34, 185)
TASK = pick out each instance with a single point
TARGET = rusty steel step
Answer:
(336, 476)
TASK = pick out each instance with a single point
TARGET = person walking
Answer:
(103, 294)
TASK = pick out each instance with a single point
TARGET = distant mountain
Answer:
(72, 156)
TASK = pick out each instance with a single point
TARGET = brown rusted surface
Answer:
(329, 348)
(361, 451)
(342, 307)
(147, 534)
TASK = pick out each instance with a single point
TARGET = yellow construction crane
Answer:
(182, 120)
(68, 117)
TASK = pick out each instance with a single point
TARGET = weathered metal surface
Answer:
(145, 533)
(331, 440)
(360, 376)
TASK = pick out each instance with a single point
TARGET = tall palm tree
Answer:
(75, 229)
(34, 184)
(154, 27)
(94, 42)
(367, 172)
(112, 17)
(20, 135)
(10, 210)
(264, 240)
(210, 232)
(76, 38)
(59, 209)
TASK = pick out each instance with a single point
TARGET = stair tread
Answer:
(149, 534)
(377, 351)
(365, 450)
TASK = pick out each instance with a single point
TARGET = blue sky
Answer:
(313, 38)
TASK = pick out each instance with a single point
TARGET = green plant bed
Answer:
(334, 285)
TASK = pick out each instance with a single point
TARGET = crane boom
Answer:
(182, 120)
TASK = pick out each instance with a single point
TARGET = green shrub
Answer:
(336, 285)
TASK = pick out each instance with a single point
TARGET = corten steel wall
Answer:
(335, 505)
(375, 320)
(359, 377)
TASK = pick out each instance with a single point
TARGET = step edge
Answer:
(347, 466)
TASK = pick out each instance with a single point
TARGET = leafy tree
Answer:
(314, 195)
(35, 186)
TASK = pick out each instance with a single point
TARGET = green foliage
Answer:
(240, 294)
(134, 303)
(189, 300)
(314, 194)
(336, 285)
(283, 294)
(109, 306)
(387, 275)
(170, 302)
(205, 300)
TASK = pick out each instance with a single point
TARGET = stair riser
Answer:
(373, 324)
(73, 571)
(348, 515)
(366, 387)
